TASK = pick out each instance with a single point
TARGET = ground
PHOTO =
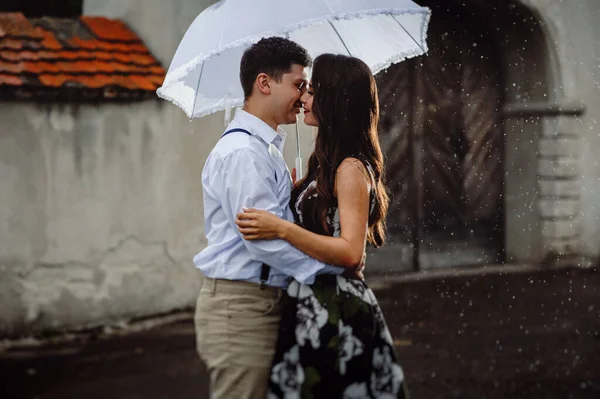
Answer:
(507, 335)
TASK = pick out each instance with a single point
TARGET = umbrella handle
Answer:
(298, 168)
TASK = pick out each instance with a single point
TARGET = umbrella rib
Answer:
(405, 30)
(340, 37)
(197, 88)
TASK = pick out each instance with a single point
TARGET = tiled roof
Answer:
(84, 58)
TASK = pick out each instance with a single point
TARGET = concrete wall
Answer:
(101, 210)
(581, 55)
(100, 213)
(573, 40)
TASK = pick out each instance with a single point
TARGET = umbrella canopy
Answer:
(204, 74)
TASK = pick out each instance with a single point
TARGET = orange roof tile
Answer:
(9, 43)
(40, 67)
(10, 80)
(107, 29)
(131, 82)
(52, 80)
(107, 46)
(143, 81)
(157, 80)
(49, 41)
(15, 68)
(13, 55)
(139, 59)
(14, 24)
(89, 53)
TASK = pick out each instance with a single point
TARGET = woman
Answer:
(333, 339)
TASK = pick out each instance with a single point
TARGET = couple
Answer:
(274, 317)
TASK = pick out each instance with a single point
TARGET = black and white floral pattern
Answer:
(311, 317)
(358, 390)
(382, 325)
(387, 376)
(356, 288)
(350, 346)
(289, 374)
(298, 214)
(344, 347)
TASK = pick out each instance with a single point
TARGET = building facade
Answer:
(489, 140)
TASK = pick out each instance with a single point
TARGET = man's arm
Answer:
(248, 181)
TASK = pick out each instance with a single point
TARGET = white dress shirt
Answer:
(249, 171)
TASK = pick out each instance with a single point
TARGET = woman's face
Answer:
(307, 100)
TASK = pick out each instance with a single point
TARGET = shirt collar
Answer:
(259, 128)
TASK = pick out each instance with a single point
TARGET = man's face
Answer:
(285, 101)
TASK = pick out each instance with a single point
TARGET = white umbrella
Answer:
(204, 74)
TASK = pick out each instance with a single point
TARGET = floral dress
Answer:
(333, 340)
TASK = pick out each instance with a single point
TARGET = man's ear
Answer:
(262, 82)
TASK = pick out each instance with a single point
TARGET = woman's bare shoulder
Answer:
(349, 173)
(350, 166)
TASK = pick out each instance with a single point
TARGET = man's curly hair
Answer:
(273, 56)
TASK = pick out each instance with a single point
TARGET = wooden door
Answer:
(442, 136)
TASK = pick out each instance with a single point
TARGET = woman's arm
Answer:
(352, 191)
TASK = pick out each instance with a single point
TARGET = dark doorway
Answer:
(441, 133)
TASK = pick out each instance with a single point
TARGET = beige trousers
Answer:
(236, 331)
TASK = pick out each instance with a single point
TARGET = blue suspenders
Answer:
(236, 130)
(241, 131)
(265, 269)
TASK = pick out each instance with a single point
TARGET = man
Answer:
(239, 306)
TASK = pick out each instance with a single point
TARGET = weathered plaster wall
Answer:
(100, 212)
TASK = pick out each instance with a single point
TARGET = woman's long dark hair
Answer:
(347, 110)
